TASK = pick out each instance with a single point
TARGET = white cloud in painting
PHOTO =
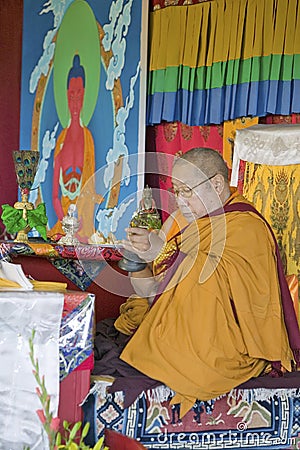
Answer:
(58, 8)
(119, 143)
(48, 145)
(108, 218)
(114, 39)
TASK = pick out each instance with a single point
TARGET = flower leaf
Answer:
(85, 430)
(74, 430)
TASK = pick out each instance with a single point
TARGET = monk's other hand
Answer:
(146, 244)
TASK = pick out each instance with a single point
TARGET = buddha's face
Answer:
(75, 96)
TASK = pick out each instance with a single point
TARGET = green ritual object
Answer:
(23, 216)
(147, 217)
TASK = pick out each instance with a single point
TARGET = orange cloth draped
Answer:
(193, 339)
(132, 312)
(177, 224)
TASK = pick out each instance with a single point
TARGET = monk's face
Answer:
(75, 96)
(203, 199)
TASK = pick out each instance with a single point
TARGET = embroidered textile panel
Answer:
(275, 192)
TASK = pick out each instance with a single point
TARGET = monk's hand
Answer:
(146, 244)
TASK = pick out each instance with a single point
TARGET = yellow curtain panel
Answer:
(275, 192)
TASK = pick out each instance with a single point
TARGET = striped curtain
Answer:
(223, 59)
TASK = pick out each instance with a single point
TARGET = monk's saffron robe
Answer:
(219, 321)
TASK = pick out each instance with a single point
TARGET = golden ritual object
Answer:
(147, 217)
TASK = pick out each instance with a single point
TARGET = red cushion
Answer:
(118, 441)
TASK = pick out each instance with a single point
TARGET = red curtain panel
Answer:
(11, 17)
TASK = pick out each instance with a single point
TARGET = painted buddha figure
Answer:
(74, 161)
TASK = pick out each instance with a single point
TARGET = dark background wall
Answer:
(11, 15)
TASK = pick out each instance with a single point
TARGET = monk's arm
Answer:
(143, 283)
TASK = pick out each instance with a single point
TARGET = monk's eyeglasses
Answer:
(187, 191)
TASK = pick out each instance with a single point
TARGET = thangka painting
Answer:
(83, 108)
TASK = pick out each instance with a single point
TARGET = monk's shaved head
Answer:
(209, 161)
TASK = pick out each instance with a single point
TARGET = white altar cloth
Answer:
(20, 313)
(275, 145)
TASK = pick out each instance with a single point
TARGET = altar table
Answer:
(91, 268)
(63, 345)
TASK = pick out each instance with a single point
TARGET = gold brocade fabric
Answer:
(5, 283)
(37, 285)
(48, 285)
(43, 249)
(275, 192)
(166, 256)
(170, 250)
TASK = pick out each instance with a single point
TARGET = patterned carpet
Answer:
(252, 419)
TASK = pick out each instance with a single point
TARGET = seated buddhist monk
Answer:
(221, 312)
